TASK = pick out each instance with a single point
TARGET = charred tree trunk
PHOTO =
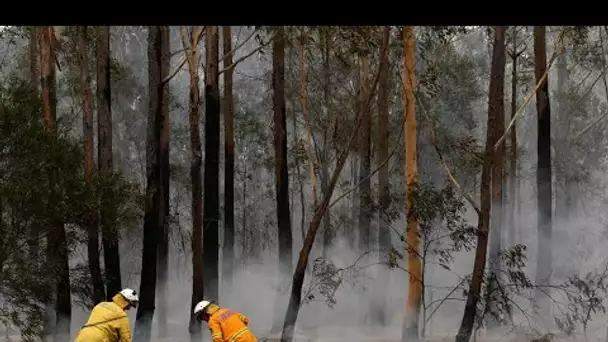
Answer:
(299, 273)
(211, 203)
(384, 197)
(196, 178)
(414, 262)
(281, 170)
(496, 98)
(228, 248)
(153, 218)
(497, 180)
(57, 249)
(89, 166)
(109, 234)
(543, 169)
(280, 146)
(513, 225)
(165, 137)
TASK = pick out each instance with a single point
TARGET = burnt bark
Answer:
(495, 100)
(513, 224)
(280, 147)
(211, 204)
(89, 166)
(153, 218)
(163, 242)
(109, 234)
(228, 247)
(281, 170)
(543, 170)
(196, 178)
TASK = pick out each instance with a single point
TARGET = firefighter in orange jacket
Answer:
(225, 325)
(108, 321)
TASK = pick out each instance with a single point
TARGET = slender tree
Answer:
(89, 165)
(414, 295)
(543, 169)
(496, 103)
(384, 197)
(211, 204)
(57, 249)
(299, 273)
(165, 137)
(153, 217)
(281, 170)
(109, 236)
(228, 109)
(497, 183)
(196, 178)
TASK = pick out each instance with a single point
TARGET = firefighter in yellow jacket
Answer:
(225, 325)
(108, 321)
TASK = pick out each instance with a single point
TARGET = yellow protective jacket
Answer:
(108, 323)
(228, 326)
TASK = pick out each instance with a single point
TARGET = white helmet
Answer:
(200, 306)
(131, 296)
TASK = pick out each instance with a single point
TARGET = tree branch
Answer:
(558, 50)
(233, 65)
(181, 63)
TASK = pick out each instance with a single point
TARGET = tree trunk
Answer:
(47, 78)
(328, 233)
(57, 249)
(543, 170)
(165, 137)
(384, 197)
(153, 217)
(299, 273)
(304, 105)
(497, 183)
(281, 171)
(34, 66)
(33, 55)
(563, 179)
(109, 235)
(496, 101)
(197, 183)
(365, 165)
(414, 295)
(211, 203)
(89, 166)
(513, 225)
(228, 248)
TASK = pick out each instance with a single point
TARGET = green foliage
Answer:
(42, 181)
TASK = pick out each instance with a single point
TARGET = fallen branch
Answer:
(233, 65)
(445, 165)
(371, 173)
(558, 50)
(181, 63)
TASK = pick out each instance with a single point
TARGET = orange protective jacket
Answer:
(229, 326)
(108, 323)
